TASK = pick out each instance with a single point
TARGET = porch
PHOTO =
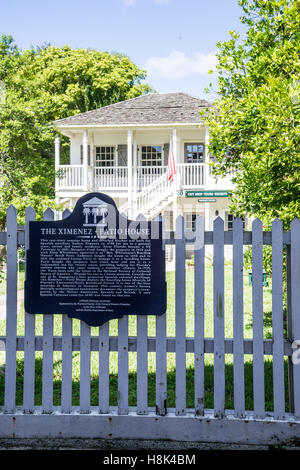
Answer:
(125, 162)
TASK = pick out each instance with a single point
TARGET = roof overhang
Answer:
(127, 126)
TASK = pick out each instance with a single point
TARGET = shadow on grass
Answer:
(268, 324)
(209, 386)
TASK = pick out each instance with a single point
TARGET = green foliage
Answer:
(267, 259)
(267, 266)
(254, 124)
(43, 84)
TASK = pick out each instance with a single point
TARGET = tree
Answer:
(254, 123)
(43, 84)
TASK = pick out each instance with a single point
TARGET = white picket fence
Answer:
(257, 426)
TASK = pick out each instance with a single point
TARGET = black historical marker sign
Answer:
(95, 265)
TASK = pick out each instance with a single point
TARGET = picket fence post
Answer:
(11, 311)
(29, 344)
(180, 328)
(238, 319)
(161, 352)
(66, 366)
(258, 327)
(142, 356)
(47, 377)
(199, 277)
(219, 349)
(295, 297)
(277, 319)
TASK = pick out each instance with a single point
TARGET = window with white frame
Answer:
(151, 155)
(105, 156)
(194, 152)
(81, 154)
(190, 220)
(229, 218)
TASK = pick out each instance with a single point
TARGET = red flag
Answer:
(171, 163)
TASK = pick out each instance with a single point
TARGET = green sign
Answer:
(207, 193)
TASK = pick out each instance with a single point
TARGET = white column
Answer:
(129, 157)
(57, 161)
(176, 178)
(92, 162)
(207, 180)
(207, 216)
(85, 143)
(134, 169)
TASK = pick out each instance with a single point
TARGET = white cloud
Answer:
(178, 65)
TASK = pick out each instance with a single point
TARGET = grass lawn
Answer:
(21, 279)
(151, 356)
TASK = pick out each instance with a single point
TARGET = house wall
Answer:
(142, 137)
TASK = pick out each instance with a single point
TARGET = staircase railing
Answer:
(148, 197)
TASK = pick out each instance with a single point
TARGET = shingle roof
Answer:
(153, 108)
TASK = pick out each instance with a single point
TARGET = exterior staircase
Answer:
(151, 200)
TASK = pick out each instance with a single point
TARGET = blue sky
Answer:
(174, 40)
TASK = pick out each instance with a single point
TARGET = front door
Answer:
(194, 152)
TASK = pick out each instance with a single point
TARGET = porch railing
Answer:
(70, 176)
(116, 177)
(146, 175)
(110, 177)
(191, 174)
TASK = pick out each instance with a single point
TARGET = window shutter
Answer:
(122, 155)
(166, 154)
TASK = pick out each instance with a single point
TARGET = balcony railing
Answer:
(110, 177)
(70, 177)
(189, 175)
(146, 175)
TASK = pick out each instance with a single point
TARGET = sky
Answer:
(174, 40)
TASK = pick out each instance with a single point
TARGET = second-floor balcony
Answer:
(115, 178)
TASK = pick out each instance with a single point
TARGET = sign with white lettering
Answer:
(95, 265)
(207, 200)
(207, 193)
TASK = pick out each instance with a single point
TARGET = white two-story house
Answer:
(122, 150)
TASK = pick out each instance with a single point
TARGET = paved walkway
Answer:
(3, 303)
(118, 444)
